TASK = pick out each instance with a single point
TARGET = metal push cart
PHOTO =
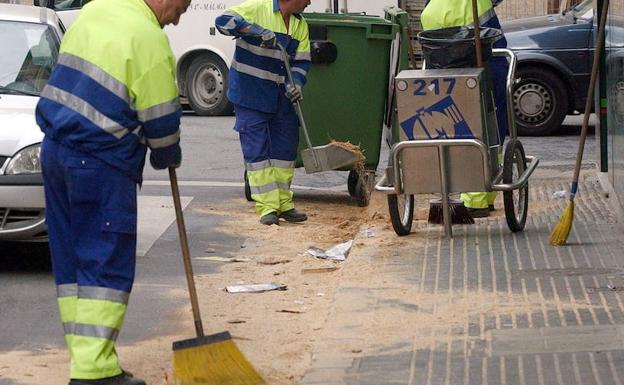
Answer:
(448, 142)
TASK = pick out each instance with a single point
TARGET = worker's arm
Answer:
(302, 61)
(231, 23)
(158, 109)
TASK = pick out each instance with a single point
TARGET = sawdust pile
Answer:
(353, 148)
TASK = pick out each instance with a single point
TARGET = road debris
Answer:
(236, 321)
(290, 311)
(336, 253)
(319, 270)
(223, 259)
(368, 233)
(255, 288)
(559, 194)
(271, 262)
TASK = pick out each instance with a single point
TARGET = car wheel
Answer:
(540, 101)
(207, 80)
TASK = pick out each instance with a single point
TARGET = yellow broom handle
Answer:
(477, 32)
(186, 254)
(590, 91)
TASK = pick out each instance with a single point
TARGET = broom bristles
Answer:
(220, 363)
(559, 235)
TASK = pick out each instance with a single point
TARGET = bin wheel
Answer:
(247, 188)
(352, 181)
(401, 209)
(516, 201)
(363, 187)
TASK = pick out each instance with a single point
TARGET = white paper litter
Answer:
(255, 288)
(339, 252)
(368, 233)
(559, 194)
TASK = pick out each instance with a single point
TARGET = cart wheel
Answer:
(352, 181)
(247, 188)
(401, 212)
(516, 201)
(363, 187)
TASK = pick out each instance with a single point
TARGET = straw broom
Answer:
(206, 360)
(560, 233)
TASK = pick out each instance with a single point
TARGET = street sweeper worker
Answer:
(263, 98)
(454, 13)
(111, 96)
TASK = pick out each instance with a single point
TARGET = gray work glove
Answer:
(294, 92)
(269, 40)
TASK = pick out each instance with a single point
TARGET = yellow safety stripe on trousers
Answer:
(93, 358)
(478, 200)
(100, 313)
(67, 296)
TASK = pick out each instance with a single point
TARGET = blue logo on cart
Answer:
(442, 120)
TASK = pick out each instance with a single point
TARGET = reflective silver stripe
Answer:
(282, 163)
(269, 187)
(96, 331)
(490, 13)
(67, 290)
(256, 72)
(300, 70)
(231, 24)
(103, 293)
(164, 141)
(257, 166)
(68, 327)
(97, 74)
(85, 109)
(160, 110)
(303, 56)
(260, 51)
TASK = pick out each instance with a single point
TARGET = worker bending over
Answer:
(455, 13)
(111, 95)
(263, 99)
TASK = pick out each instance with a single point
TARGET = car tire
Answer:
(207, 80)
(540, 101)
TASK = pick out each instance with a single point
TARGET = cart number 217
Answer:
(434, 85)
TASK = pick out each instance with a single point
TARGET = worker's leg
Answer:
(284, 133)
(64, 260)
(103, 234)
(253, 129)
(499, 67)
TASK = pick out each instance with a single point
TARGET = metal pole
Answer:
(446, 208)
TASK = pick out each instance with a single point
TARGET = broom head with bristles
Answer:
(459, 213)
(212, 360)
(559, 235)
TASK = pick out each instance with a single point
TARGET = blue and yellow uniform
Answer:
(265, 118)
(455, 13)
(111, 96)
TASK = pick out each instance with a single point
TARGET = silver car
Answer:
(30, 43)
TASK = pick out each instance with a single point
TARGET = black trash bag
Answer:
(454, 47)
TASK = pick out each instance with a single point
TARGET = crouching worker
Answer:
(111, 96)
(456, 13)
(258, 87)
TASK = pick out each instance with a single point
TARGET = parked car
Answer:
(30, 43)
(555, 54)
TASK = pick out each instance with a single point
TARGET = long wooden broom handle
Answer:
(590, 92)
(186, 254)
(477, 32)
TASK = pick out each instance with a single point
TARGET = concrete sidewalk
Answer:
(488, 306)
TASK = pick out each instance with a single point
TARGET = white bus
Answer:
(204, 55)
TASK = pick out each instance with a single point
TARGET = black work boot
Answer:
(270, 219)
(125, 378)
(293, 215)
(479, 213)
(491, 207)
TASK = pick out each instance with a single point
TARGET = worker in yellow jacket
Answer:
(111, 96)
(455, 13)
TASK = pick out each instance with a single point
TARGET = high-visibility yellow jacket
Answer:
(257, 74)
(457, 13)
(113, 91)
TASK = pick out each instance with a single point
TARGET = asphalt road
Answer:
(211, 172)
